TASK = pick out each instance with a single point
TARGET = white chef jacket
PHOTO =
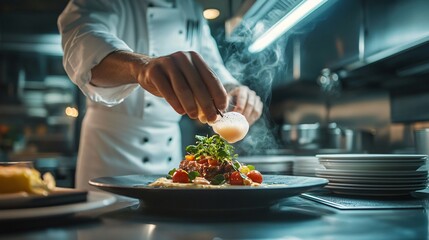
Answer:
(127, 130)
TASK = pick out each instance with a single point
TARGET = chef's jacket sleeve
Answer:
(89, 35)
(211, 55)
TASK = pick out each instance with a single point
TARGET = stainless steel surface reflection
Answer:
(316, 137)
(296, 218)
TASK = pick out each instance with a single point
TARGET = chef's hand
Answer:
(182, 78)
(246, 102)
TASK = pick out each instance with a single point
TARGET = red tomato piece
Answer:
(256, 176)
(235, 178)
(180, 176)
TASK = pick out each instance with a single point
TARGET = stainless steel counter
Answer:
(296, 218)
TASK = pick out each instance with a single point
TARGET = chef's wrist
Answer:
(137, 64)
(117, 68)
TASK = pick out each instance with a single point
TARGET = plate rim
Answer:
(371, 178)
(371, 156)
(229, 188)
(375, 161)
(153, 197)
(95, 200)
(370, 186)
(371, 173)
(411, 189)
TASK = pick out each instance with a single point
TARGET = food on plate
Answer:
(211, 163)
(15, 179)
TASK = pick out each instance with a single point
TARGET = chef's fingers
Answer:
(240, 96)
(257, 111)
(161, 82)
(250, 104)
(181, 88)
(196, 84)
(214, 86)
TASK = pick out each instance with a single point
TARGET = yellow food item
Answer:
(21, 179)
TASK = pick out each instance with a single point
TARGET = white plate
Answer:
(371, 156)
(391, 180)
(356, 173)
(378, 161)
(95, 200)
(379, 186)
(374, 189)
(388, 166)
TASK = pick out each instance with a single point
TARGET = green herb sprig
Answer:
(213, 146)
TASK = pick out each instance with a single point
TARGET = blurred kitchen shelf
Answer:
(48, 44)
(9, 110)
(19, 157)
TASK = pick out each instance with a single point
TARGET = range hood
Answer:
(364, 41)
(259, 17)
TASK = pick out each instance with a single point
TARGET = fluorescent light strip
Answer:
(283, 25)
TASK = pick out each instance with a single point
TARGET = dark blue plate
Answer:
(275, 189)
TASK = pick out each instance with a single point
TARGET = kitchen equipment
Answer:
(315, 137)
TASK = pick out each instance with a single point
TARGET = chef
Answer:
(142, 64)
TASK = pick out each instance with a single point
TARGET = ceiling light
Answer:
(72, 112)
(284, 24)
(211, 13)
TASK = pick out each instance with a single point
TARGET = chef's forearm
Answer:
(117, 68)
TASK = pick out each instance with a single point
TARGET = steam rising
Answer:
(258, 71)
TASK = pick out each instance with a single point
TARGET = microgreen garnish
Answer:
(213, 146)
(192, 175)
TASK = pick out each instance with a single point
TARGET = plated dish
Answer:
(57, 196)
(275, 189)
(95, 200)
(209, 178)
(210, 163)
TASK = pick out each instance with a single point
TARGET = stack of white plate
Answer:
(305, 166)
(374, 174)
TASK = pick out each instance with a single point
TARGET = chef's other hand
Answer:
(183, 78)
(246, 102)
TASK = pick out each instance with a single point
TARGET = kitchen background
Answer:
(351, 77)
